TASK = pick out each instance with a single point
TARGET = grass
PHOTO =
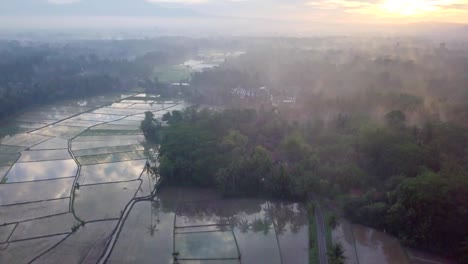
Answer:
(313, 246)
(172, 74)
(328, 229)
(4, 180)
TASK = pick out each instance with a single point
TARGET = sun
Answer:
(409, 7)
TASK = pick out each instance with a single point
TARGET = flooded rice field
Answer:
(203, 228)
(365, 245)
(74, 190)
(67, 171)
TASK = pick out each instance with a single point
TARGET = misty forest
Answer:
(373, 130)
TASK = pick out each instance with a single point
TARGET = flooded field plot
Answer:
(203, 228)
(80, 145)
(54, 143)
(5, 232)
(82, 246)
(41, 170)
(66, 187)
(112, 126)
(8, 159)
(119, 111)
(78, 123)
(98, 117)
(27, 250)
(65, 132)
(29, 211)
(146, 227)
(10, 149)
(103, 201)
(111, 172)
(366, 245)
(373, 246)
(108, 150)
(23, 140)
(16, 193)
(3, 171)
(53, 225)
(43, 155)
(108, 158)
(204, 245)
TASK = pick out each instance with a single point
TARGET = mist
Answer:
(234, 131)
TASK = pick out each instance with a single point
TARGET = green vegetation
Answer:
(37, 73)
(336, 254)
(412, 179)
(329, 218)
(313, 245)
(171, 74)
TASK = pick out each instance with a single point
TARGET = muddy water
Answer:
(366, 245)
(200, 225)
(374, 246)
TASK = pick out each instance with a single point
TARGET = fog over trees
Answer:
(379, 125)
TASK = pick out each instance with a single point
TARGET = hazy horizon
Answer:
(238, 17)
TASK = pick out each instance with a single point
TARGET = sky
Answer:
(242, 14)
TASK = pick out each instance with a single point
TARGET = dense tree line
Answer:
(37, 73)
(411, 181)
(424, 81)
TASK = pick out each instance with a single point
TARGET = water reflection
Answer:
(374, 246)
(111, 172)
(103, 201)
(42, 170)
(266, 231)
(366, 245)
(35, 191)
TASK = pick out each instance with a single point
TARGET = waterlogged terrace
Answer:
(74, 189)
(67, 171)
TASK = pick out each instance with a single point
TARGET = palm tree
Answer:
(152, 228)
(336, 254)
(244, 226)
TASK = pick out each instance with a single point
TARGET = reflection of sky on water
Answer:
(60, 131)
(374, 246)
(111, 172)
(25, 251)
(35, 191)
(254, 222)
(24, 140)
(146, 236)
(78, 123)
(31, 171)
(10, 149)
(22, 212)
(107, 150)
(99, 144)
(42, 155)
(107, 138)
(82, 246)
(5, 231)
(54, 143)
(3, 171)
(111, 158)
(206, 245)
(98, 117)
(57, 224)
(103, 201)
(118, 111)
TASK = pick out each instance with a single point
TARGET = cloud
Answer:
(62, 2)
(189, 2)
(396, 7)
